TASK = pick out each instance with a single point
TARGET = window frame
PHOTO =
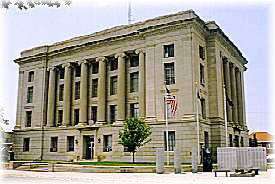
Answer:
(134, 111)
(76, 116)
(94, 87)
(94, 113)
(70, 143)
(134, 61)
(169, 73)
(26, 144)
(61, 92)
(77, 90)
(30, 94)
(202, 52)
(171, 142)
(113, 85)
(134, 82)
(60, 117)
(169, 50)
(113, 113)
(202, 74)
(28, 122)
(107, 146)
(95, 68)
(31, 76)
(54, 144)
(77, 71)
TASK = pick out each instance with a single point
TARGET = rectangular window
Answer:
(134, 61)
(113, 111)
(171, 140)
(113, 64)
(26, 144)
(60, 117)
(76, 116)
(94, 87)
(77, 71)
(206, 139)
(61, 73)
(94, 113)
(134, 82)
(202, 52)
(77, 90)
(134, 110)
(230, 140)
(28, 119)
(31, 76)
(168, 50)
(30, 94)
(54, 142)
(236, 141)
(242, 144)
(70, 143)
(203, 110)
(95, 67)
(169, 73)
(202, 80)
(107, 142)
(113, 85)
(61, 92)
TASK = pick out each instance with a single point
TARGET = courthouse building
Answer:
(74, 95)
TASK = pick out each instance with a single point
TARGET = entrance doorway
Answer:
(88, 147)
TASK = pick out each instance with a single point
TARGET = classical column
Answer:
(141, 81)
(239, 96)
(101, 90)
(228, 89)
(19, 100)
(121, 87)
(51, 97)
(243, 97)
(83, 117)
(67, 95)
(233, 93)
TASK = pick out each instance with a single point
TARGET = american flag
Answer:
(171, 100)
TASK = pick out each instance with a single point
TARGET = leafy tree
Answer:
(135, 133)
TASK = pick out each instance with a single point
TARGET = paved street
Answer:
(22, 177)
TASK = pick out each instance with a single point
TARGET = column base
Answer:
(82, 124)
(118, 122)
(17, 127)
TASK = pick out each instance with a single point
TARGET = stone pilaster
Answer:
(228, 89)
(234, 93)
(121, 94)
(83, 116)
(239, 96)
(51, 97)
(67, 95)
(101, 90)
(19, 100)
(141, 85)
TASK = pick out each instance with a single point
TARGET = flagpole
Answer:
(198, 123)
(166, 122)
(225, 116)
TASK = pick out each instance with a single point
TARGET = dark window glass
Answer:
(107, 142)
(60, 117)
(113, 64)
(54, 142)
(203, 110)
(113, 85)
(95, 67)
(76, 116)
(169, 73)
(31, 76)
(30, 94)
(134, 82)
(242, 144)
(168, 50)
(77, 71)
(113, 111)
(134, 110)
(77, 90)
(61, 73)
(94, 87)
(61, 92)
(236, 141)
(26, 144)
(171, 140)
(230, 140)
(28, 119)
(202, 80)
(70, 143)
(134, 61)
(202, 52)
(206, 139)
(94, 113)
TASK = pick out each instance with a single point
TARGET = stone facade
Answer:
(82, 88)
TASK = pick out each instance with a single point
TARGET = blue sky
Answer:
(247, 25)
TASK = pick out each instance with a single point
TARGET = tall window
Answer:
(94, 113)
(77, 90)
(54, 142)
(76, 116)
(202, 80)
(26, 144)
(60, 117)
(171, 141)
(31, 76)
(134, 110)
(203, 110)
(107, 142)
(61, 73)
(168, 50)
(134, 82)
(236, 141)
(30, 94)
(206, 139)
(134, 61)
(113, 64)
(113, 111)
(169, 73)
(70, 143)
(28, 119)
(202, 52)
(230, 140)
(113, 85)
(77, 71)
(95, 68)
(242, 144)
(61, 92)
(94, 87)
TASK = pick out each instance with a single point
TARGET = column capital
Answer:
(65, 65)
(82, 61)
(51, 68)
(141, 50)
(121, 54)
(233, 65)
(101, 59)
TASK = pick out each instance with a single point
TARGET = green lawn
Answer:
(116, 164)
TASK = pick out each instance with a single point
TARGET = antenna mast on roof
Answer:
(129, 12)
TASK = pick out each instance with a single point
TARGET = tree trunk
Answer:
(133, 157)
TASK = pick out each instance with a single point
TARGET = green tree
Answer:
(135, 133)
